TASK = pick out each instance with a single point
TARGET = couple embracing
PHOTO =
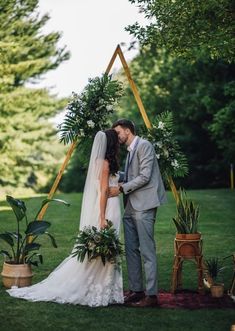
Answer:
(92, 283)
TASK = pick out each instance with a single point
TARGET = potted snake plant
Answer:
(23, 249)
(213, 270)
(186, 223)
(187, 243)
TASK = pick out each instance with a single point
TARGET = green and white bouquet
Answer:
(99, 243)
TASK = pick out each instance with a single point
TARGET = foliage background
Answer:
(200, 95)
(29, 148)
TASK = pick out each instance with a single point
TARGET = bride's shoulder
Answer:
(106, 164)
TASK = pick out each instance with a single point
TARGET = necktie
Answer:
(127, 167)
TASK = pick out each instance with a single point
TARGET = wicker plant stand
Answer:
(187, 247)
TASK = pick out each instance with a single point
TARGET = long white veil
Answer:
(90, 211)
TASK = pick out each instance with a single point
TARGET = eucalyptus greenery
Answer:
(172, 161)
(95, 243)
(89, 111)
(23, 246)
(186, 220)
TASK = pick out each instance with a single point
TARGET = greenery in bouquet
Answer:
(172, 161)
(99, 243)
(89, 111)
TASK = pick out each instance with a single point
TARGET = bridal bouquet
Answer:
(95, 243)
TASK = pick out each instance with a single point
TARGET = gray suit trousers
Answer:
(140, 243)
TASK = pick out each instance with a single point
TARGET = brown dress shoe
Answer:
(131, 296)
(146, 302)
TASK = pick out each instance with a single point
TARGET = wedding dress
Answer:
(90, 282)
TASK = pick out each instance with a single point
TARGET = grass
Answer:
(216, 225)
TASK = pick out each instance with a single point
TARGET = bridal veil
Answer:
(90, 202)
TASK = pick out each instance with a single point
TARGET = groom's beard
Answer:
(123, 141)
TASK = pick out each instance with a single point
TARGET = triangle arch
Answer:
(117, 53)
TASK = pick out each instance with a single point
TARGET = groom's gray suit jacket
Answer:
(144, 187)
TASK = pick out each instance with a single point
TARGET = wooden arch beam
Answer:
(118, 52)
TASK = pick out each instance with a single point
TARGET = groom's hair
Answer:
(126, 124)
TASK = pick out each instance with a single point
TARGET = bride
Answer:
(90, 282)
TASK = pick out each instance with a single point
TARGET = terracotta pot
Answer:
(188, 236)
(188, 245)
(16, 275)
(217, 290)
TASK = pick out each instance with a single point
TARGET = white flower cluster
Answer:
(91, 124)
(171, 160)
(161, 125)
(109, 108)
(82, 133)
(175, 164)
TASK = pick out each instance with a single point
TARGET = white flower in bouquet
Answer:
(175, 164)
(97, 238)
(158, 156)
(159, 144)
(101, 102)
(166, 153)
(82, 134)
(161, 125)
(109, 108)
(91, 245)
(99, 243)
(91, 124)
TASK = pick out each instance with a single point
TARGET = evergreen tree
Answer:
(28, 144)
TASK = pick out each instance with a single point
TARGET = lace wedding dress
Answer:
(90, 282)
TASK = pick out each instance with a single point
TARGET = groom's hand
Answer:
(113, 191)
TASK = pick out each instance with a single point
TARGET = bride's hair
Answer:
(112, 150)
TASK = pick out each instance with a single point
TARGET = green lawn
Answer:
(218, 230)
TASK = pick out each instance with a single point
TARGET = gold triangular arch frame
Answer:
(117, 52)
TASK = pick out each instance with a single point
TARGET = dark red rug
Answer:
(192, 300)
(187, 299)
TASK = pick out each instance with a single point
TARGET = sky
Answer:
(91, 30)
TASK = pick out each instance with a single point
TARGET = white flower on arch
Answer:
(91, 124)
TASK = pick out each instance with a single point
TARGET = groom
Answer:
(143, 191)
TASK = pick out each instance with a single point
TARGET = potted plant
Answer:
(187, 243)
(24, 250)
(213, 269)
(186, 222)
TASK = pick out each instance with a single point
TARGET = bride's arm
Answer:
(104, 189)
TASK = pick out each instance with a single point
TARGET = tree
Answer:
(75, 175)
(200, 95)
(28, 143)
(185, 27)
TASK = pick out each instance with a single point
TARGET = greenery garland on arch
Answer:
(88, 112)
(172, 161)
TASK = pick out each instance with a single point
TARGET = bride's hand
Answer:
(103, 223)
(113, 191)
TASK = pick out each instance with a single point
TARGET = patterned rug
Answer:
(187, 299)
